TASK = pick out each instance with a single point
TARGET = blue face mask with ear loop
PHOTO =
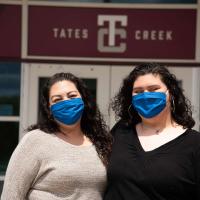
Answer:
(69, 111)
(149, 104)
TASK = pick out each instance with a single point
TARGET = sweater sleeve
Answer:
(22, 169)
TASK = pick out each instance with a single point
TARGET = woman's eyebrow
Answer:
(59, 95)
(149, 86)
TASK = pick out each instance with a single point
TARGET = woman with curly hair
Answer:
(63, 156)
(155, 153)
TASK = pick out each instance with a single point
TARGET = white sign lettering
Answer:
(111, 31)
(69, 33)
(153, 35)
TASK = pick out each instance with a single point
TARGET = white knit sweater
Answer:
(44, 167)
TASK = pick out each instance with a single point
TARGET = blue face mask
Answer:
(149, 104)
(68, 111)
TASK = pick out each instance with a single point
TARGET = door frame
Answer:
(30, 90)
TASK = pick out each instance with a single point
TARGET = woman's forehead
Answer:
(148, 79)
(64, 85)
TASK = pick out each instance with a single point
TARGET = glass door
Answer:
(97, 78)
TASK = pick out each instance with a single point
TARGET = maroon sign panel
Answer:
(10, 31)
(112, 32)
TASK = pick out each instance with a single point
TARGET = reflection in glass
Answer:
(8, 142)
(91, 83)
(9, 89)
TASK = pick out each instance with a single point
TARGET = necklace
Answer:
(145, 127)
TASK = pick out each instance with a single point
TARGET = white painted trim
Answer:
(24, 35)
(25, 98)
(9, 119)
(114, 5)
(95, 5)
(102, 5)
(16, 2)
(110, 59)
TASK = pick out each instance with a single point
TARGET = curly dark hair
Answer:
(92, 122)
(180, 105)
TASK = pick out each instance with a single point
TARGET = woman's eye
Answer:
(56, 100)
(138, 91)
(72, 96)
(152, 90)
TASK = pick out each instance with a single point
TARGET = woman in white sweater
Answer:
(64, 156)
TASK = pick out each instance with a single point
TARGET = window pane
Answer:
(9, 89)
(1, 187)
(8, 141)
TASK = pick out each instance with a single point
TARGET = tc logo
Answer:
(111, 33)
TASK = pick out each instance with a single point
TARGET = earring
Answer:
(172, 105)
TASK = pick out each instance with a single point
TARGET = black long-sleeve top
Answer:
(169, 172)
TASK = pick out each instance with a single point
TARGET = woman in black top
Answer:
(156, 154)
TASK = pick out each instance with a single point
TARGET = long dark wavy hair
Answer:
(180, 106)
(92, 123)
